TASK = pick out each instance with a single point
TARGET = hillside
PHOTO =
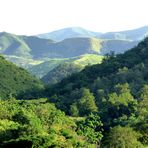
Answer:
(73, 47)
(117, 46)
(60, 72)
(13, 45)
(78, 46)
(31, 47)
(15, 81)
(42, 69)
(22, 46)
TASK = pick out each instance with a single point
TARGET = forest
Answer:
(105, 105)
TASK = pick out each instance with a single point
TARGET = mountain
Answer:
(42, 69)
(13, 45)
(104, 105)
(31, 47)
(71, 32)
(40, 56)
(15, 81)
(77, 41)
(22, 46)
(133, 35)
(116, 45)
(72, 47)
(74, 32)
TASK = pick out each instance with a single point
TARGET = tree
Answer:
(143, 104)
(36, 123)
(86, 102)
(142, 112)
(91, 127)
(74, 110)
(121, 101)
(122, 137)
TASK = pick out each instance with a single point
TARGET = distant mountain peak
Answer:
(73, 32)
(70, 32)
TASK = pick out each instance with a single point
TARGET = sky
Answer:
(30, 17)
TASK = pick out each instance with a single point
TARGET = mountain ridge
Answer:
(61, 34)
(32, 47)
(70, 32)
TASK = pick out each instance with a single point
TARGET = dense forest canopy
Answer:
(36, 123)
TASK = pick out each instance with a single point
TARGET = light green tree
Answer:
(87, 102)
(122, 137)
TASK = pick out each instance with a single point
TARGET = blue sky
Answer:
(38, 16)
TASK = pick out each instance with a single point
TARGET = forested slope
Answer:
(15, 81)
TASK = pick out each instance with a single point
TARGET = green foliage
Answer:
(142, 115)
(143, 105)
(86, 102)
(121, 137)
(74, 110)
(122, 95)
(36, 123)
(91, 127)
